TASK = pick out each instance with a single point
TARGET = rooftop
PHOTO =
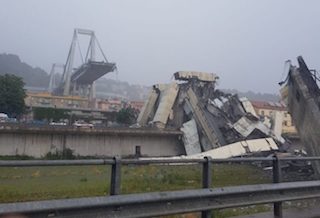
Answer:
(269, 105)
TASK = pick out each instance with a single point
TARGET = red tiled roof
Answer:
(269, 105)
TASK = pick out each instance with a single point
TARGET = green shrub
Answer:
(65, 154)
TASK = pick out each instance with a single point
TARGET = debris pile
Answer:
(208, 117)
(301, 92)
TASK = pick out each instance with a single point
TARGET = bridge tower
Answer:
(53, 74)
(80, 81)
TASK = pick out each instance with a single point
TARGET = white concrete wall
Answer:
(38, 145)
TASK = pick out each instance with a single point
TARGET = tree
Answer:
(12, 95)
(49, 114)
(127, 116)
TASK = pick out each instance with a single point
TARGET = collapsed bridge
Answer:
(208, 117)
(302, 94)
(80, 81)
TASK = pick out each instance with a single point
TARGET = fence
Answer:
(164, 203)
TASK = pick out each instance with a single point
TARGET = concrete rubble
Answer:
(301, 92)
(237, 149)
(210, 119)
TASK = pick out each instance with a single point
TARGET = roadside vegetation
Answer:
(12, 95)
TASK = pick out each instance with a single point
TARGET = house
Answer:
(267, 112)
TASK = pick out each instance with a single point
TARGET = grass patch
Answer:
(16, 157)
(19, 184)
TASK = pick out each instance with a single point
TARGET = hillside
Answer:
(108, 87)
(255, 96)
(11, 64)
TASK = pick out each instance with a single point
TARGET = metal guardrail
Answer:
(165, 203)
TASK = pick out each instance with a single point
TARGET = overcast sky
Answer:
(245, 42)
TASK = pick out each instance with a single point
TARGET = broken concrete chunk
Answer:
(241, 148)
(166, 101)
(148, 108)
(277, 123)
(302, 93)
(190, 137)
(245, 126)
(237, 149)
(201, 120)
(187, 75)
(248, 106)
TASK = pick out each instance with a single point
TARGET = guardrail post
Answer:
(276, 170)
(115, 176)
(206, 182)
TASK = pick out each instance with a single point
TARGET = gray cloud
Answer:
(245, 42)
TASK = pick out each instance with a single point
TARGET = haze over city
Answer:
(159, 108)
(245, 42)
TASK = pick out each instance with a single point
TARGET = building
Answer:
(103, 105)
(136, 104)
(109, 104)
(267, 112)
(45, 99)
(77, 108)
